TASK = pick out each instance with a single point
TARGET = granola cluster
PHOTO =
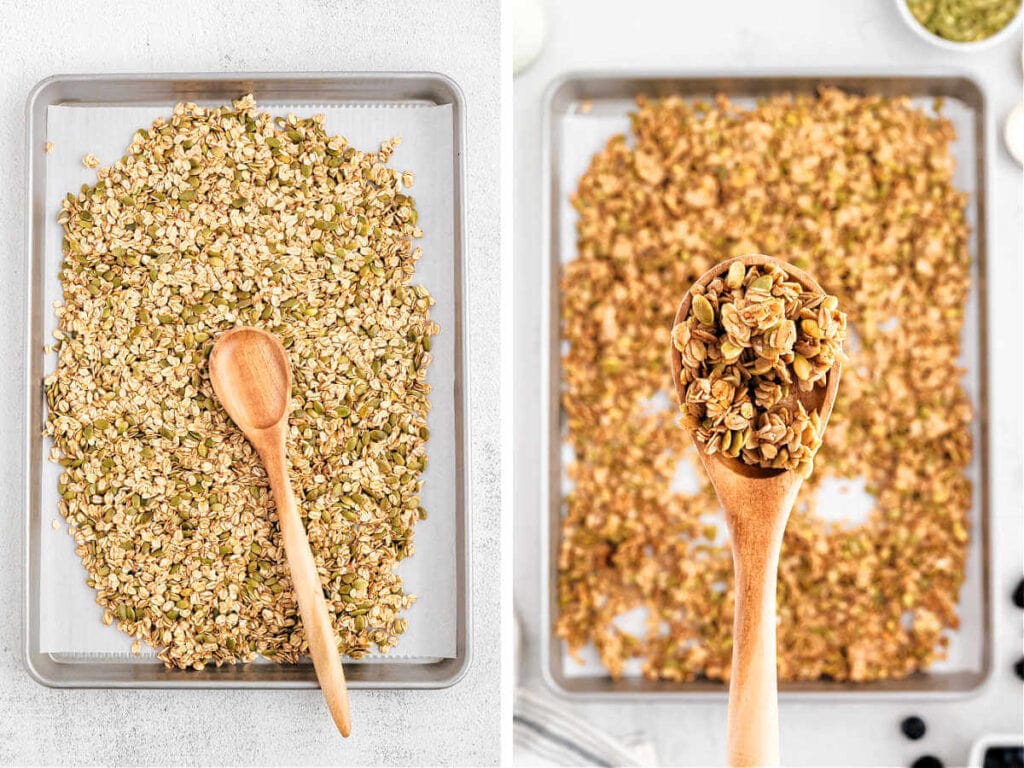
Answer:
(751, 342)
(858, 191)
(219, 217)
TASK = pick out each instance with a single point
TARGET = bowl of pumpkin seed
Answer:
(961, 25)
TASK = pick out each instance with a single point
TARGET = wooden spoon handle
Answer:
(753, 731)
(323, 644)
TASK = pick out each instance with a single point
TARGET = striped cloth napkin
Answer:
(543, 734)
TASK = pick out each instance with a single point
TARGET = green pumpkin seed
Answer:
(703, 310)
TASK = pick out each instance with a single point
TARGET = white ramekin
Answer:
(951, 45)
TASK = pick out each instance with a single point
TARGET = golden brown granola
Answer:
(750, 342)
(859, 191)
(220, 217)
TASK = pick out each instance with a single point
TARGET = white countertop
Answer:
(459, 725)
(855, 37)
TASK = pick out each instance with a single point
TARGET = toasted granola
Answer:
(750, 343)
(857, 190)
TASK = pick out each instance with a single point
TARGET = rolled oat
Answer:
(219, 217)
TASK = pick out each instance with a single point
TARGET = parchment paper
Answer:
(69, 617)
(843, 501)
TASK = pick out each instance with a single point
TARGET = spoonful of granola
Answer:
(756, 351)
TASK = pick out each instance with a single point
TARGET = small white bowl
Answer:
(952, 45)
(1013, 133)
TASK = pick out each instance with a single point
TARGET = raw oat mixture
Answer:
(215, 218)
(752, 341)
(857, 190)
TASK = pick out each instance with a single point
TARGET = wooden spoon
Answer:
(252, 378)
(757, 503)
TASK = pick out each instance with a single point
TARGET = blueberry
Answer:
(927, 761)
(913, 728)
(1018, 594)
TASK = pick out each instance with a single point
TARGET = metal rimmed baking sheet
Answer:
(584, 110)
(379, 90)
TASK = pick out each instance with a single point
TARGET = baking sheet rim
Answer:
(550, 506)
(51, 670)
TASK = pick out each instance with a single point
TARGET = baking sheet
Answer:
(583, 131)
(69, 619)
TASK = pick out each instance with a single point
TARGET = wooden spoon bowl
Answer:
(757, 502)
(820, 399)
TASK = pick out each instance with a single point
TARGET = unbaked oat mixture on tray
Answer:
(214, 218)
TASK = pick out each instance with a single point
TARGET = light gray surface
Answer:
(458, 725)
(859, 36)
